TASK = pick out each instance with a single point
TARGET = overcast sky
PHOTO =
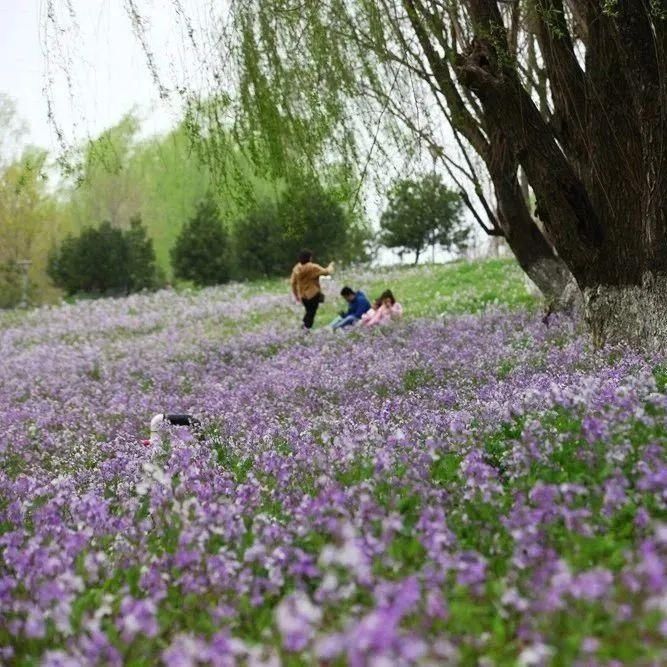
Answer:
(108, 71)
(95, 69)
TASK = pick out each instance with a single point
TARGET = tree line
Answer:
(263, 243)
(133, 213)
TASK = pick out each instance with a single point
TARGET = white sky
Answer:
(109, 75)
(104, 61)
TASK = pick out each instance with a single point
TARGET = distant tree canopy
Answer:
(28, 211)
(420, 213)
(269, 237)
(163, 177)
(166, 177)
(142, 269)
(105, 260)
(259, 243)
(23, 217)
(202, 252)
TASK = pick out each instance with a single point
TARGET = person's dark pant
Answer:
(311, 306)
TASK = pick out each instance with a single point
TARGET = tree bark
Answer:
(532, 250)
(629, 314)
(570, 219)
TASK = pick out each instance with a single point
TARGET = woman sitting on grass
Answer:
(387, 309)
(373, 309)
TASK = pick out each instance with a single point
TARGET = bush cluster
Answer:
(266, 241)
(10, 284)
(105, 260)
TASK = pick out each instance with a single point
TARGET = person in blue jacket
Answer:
(358, 304)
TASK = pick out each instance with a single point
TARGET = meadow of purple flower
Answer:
(479, 490)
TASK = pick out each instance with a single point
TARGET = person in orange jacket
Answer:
(305, 282)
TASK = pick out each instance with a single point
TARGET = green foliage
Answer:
(94, 262)
(202, 250)
(171, 180)
(105, 260)
(261, 250)
(106, 187)
(416, 378)
(310, 217)
(28, 219)
(162, 177)
(10, 284)
(660, 375)
(610, 7)
(422, 213)
(141, 266)
(269, 237)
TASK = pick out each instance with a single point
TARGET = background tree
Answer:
(105, 260)
(94, 262)
(310, 217)
(142, 269)
(259, 243)
(29, 212)
(104, 187)
(164, 177)
(12, 130)
(269, 237)
(29, 218)
(174, 177)
(420, 213)
(202, 250)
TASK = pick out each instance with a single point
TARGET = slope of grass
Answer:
(428, 290)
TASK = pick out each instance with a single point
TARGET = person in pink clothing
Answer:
(374, 308)
(386, 311)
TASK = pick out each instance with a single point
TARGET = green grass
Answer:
(440, 289)
(428, 290)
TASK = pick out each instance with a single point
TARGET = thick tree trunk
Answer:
(530, 247)
(597, 167)
(532, 250)
(631, 314)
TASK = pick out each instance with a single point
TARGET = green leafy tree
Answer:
(94, 262)
(260, 246)
(26, 224)
(310, 217)
(10, 284)
(422, 213)
(318, 217)
(105, 260)
(202, 249)
(28, 211)
(141, 267)
(269, 237)
(106, 188)
(172, 180)
(164, 177)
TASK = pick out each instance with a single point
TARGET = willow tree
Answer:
(557, 101)
(383, 74)
(597, 162)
